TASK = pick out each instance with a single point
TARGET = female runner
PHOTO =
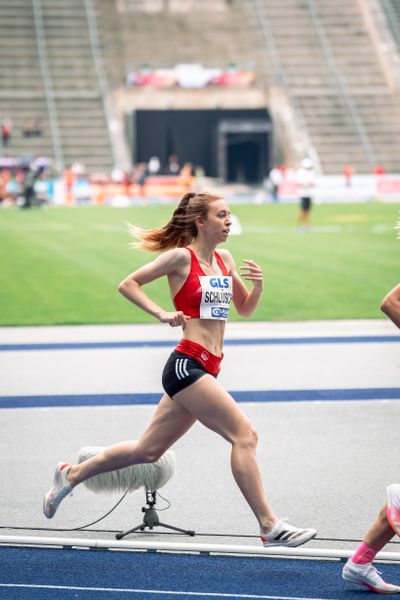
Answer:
(359, 568)
(202, 282)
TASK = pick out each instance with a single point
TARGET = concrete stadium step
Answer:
(67, 41)
(215, 39)
(301, 55)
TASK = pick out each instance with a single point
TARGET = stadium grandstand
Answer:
(231, 87)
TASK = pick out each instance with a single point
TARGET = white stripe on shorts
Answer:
(180, 368)
(185, 371)
(177, 368)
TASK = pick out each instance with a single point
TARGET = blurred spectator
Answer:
(13, 188)
(5, 176)
(69, 181)
(187, 170)
(139, 175)
(31, 175)
(173, 167)
(154, 165)
(38, 130)
(28, 127)
(275, 179)
(78, 168)
(348, 174)
(378, 170)
(305, 179)
(121, 176)
(186, 175)
(117, 175)
(6, 128)
(3, 184)
(42, 187)
(19, 177)
(32, 128)
(81, 190)
(126, 181)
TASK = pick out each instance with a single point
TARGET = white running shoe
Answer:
(393, 506)
(287, 535)
(368, 576)
(61, 488)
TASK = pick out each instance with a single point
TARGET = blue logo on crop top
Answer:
(219, 282)
(219, 312)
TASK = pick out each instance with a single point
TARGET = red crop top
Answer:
(205, 296)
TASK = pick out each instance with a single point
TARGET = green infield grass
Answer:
(62, 265)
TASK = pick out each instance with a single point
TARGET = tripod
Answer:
(151, 519)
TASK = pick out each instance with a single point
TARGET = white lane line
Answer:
(159, 592)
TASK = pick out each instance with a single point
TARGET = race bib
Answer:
(216, 296)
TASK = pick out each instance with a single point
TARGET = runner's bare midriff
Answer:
(206, 332)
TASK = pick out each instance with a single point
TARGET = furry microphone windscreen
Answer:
(151, 476)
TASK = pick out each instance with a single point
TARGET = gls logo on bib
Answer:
(219, 282)
(216, 296)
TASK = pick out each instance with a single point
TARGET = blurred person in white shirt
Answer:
(305, 179)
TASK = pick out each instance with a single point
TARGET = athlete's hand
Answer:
(252, 272)
(174, 319)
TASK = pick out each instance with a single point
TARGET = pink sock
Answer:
(364, 554)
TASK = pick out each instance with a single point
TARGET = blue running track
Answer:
(43, 574)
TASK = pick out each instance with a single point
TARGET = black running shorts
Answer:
(181, 371)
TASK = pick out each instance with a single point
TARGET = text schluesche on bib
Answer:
(216, 296)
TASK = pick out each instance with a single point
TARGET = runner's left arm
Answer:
(245, 300)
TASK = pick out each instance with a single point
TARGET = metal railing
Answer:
(280, 78)
(48, 84)
(342, 84)
(393, 16)
(191, 547)
(100, 72)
